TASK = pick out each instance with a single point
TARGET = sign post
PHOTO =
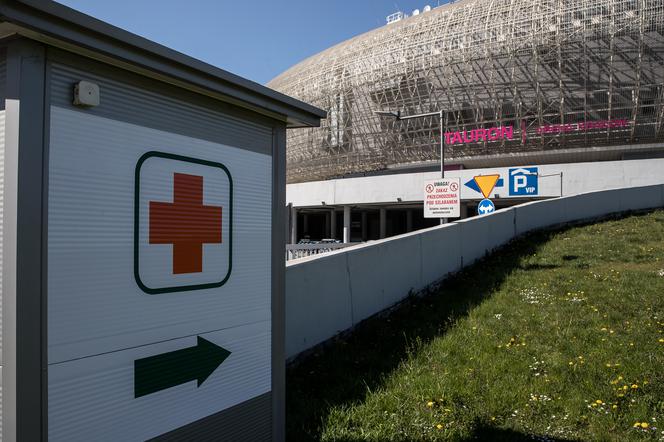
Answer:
(442, 198)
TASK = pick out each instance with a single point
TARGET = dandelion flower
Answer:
(599, 402)
(430, 404)
(644, 424)
(634, 386)
(636, 424)
(439, 426)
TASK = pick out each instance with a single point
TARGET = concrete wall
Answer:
(330, 293)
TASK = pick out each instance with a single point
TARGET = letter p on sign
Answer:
(523, 181)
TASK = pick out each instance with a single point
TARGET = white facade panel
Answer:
(106, 181)
(92, 399)
(407, 187)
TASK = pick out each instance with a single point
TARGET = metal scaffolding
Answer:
(561, 75)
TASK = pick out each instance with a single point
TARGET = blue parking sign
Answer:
(523, 181)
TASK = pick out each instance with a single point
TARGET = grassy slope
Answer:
(520, 345)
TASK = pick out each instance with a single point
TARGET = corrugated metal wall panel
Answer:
(237, 424)
(93, 154)
(159, 109)
(3, 81)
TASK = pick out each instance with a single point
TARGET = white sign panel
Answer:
(159, 278)
(183, 229)
(442, 199)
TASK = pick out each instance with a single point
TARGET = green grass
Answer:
(517, 347)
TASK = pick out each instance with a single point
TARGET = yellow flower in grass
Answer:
(599, 402)
(439, 426)
(634, 386)
(430, 404)
(644, 424)
(636, 424)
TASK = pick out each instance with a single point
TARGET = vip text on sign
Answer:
(442, 198)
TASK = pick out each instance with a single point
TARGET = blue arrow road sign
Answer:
(485, 207)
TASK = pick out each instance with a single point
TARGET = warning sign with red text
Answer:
(442, 198)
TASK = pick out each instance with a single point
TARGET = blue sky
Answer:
(255, 39)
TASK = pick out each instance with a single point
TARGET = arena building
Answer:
(568, 94)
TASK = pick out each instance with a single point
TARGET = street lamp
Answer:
(397, 115)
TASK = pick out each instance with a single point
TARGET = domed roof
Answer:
(522, 64)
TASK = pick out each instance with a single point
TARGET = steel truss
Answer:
(486, 63)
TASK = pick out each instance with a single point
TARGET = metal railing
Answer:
(295, 251)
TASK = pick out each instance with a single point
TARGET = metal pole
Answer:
(346, 224)
(398, 116)
(442, 146)
(561, 183)
(442, 151)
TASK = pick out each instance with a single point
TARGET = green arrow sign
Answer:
(167, 370)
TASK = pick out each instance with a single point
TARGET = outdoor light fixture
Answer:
(439, 114)
(396, 114)
(539, 175)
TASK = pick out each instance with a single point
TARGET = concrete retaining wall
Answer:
(330, 293)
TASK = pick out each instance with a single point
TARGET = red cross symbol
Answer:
(186, 223)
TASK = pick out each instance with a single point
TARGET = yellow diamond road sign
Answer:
(486, 183)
